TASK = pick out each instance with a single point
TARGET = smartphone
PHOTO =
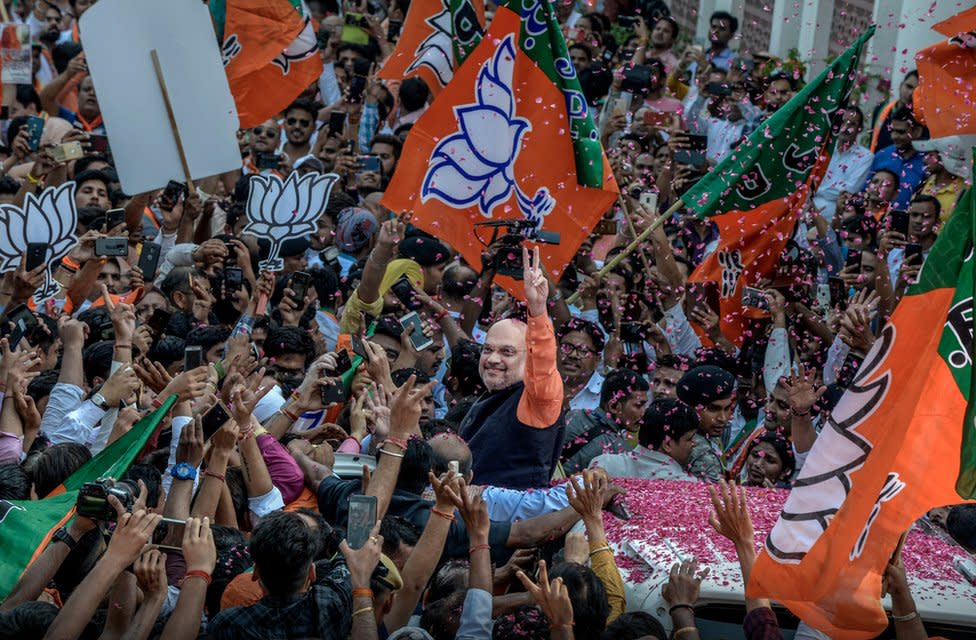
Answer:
(357, 84)
(627, 22)
(213, 420)
(692, 158)
(404, 292)
(418, 338)
(192, 358)
(337, 123)
(330, 256)
(899, 221)
(174, 191)
(334, 393)
(149, 260)
(266, 161)
(838, 292)
(358, 348)
(299, 285)
(718, 89)
(168, 534)
(755, 298)
(369, 163)
(853, 260)
(633, 332)
(659, 119)
(704, 294)
(393, 30)
(36, 255)
(697, 142)
(114, 218)
(233, 280)
(913, 253)
(23, 320)
(648, 200)
(158, 321)
(99, 144)
(362, 519)
(111, 247)
(67, 152)
(35, 127)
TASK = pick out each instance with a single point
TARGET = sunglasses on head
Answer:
(260, 131)
(291, 122)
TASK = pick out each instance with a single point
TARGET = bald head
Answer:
(502, 361)
(447, 447)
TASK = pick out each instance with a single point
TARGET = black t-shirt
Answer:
(333, 497)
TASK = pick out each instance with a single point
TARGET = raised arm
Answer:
(542, 401)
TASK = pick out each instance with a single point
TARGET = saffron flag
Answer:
(495, 144)
(437, 35)
(947, 79)
(270, 54)
(755, 194)
(889, 452)
(26, 526)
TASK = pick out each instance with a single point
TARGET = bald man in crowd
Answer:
(515, 430)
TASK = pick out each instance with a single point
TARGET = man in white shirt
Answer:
(667, 436)
(849, 164)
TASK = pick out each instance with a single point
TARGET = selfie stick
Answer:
(645, 234)
(172, 120)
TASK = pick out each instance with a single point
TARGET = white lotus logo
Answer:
(281, 210)
(50, 219)
(476, 164)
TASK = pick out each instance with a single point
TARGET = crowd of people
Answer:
(379, 440)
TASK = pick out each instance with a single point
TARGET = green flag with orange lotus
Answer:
(901, 441)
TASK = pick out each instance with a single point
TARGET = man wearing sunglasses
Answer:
(262, 148)
(299, 126)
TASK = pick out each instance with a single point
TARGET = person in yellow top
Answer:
(947, 167)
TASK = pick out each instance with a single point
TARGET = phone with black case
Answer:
(149, 260)
(36, 255)
(111, 247)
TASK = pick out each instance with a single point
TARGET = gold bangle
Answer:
(369, 610)
(684, 630)
(31, 179)
(599, 549)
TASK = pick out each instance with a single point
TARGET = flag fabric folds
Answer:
(495, 145)
(947, 79)
(437, 36)
(900, 442)
(270, 54)
(26, 526)
(755, 194)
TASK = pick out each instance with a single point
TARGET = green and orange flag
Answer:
(497, 144)
(26, 526)
(270, 54)
(901, 441)
(756, 193)
(947, 79)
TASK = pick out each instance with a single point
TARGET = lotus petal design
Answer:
(475, 165)
(279, 210)
(50, 219)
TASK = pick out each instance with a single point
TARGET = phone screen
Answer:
(362, 519)
(168, 534)
(755, 298)
(404, 291)
(214, 420)
(192, 358)
(299, 285)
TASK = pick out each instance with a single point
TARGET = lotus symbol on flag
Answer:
(476, 165)
(281, 210)
(50, 219)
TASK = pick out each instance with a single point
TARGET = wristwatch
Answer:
(99, 401)
(62, 535)
(183, 471)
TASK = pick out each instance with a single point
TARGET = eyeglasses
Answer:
(569, 348)
(505, 352)
(260, 131)
(302, 122)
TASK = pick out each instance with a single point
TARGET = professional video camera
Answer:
(507, 259)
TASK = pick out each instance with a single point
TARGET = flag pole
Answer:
(3, 12)
(633, 232)
(172, 120)
(645, 234)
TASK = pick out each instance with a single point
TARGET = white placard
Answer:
(118, 36)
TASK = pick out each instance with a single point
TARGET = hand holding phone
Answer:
(362, 519)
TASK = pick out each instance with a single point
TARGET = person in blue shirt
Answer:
(901, 157)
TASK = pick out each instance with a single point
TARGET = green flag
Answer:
(779, 155)
(27, 525)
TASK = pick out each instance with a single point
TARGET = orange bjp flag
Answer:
(435, 36)
(270, 54)
(944, 99)
(495, 145)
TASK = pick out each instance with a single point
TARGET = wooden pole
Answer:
(172, 120)
(645, 234)
(633, 232)
(3, 12)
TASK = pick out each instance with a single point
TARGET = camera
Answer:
(507, 259)
(93, 498)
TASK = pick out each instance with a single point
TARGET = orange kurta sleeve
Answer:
(542, 400)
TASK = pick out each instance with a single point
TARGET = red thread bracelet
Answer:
(289, 414)
(362, 592)
(443, 514)
(400, 442)
(216, 476)
(479, 547)
(198, 573)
